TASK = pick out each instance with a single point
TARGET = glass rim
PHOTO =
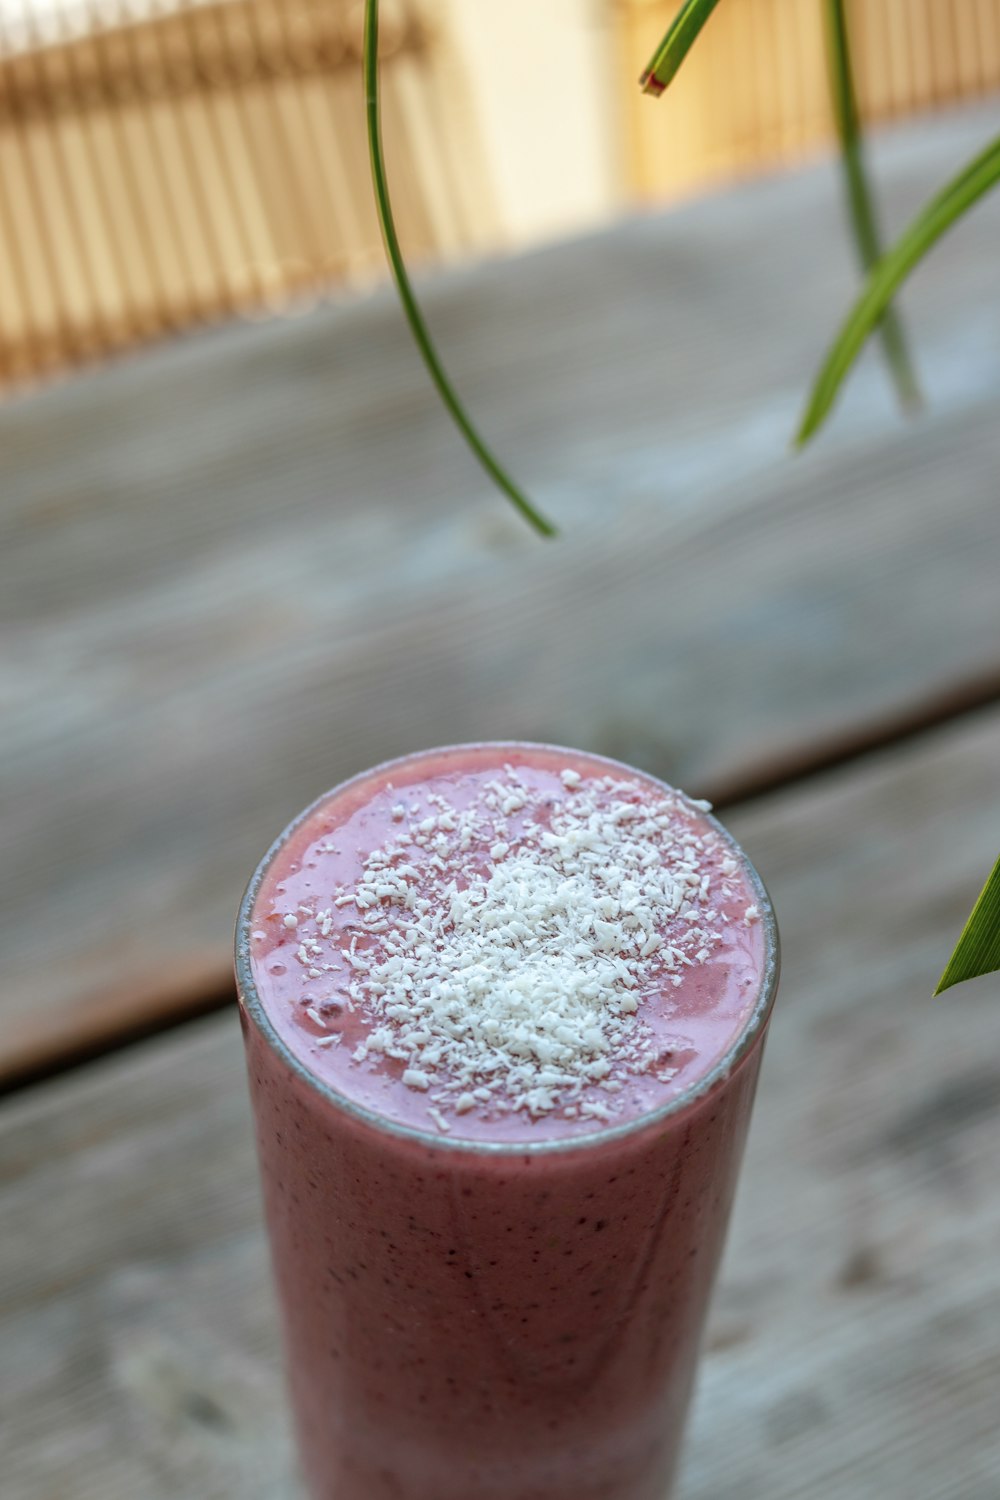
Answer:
(742, 1045)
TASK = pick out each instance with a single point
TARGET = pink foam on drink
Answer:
(341, 963)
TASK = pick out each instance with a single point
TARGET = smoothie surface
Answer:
(508, 943)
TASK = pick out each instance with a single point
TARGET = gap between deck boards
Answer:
(966, 700)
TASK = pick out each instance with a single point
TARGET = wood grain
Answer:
(242, 569)
(854, 1346)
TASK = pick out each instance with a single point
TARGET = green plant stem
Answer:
(860, 200)
(978, 949)
(684, 28)
(888, 275)
(414, 316)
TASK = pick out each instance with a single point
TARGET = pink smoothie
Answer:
(504, 1008)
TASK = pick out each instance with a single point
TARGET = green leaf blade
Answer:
(401, 276)
(860, 199)
(888, 275)
(663, 66)
(978, 949)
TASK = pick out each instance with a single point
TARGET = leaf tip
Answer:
(802, 434)
(650, 84)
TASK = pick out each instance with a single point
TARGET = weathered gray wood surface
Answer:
(244, 567)
(855, 1340)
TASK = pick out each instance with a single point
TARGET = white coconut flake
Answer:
(503, 951)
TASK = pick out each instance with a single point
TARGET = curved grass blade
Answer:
(888, 275)
(978, 949)
(676, 45)
(860, 199)
(414, 316)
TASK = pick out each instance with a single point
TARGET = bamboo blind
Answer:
(167, 168)
(165, 163)
(753, 92)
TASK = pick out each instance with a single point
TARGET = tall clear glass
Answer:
(493, 1321)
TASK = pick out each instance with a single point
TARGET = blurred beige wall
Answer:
(542, 78)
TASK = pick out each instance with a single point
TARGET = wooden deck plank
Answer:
(246, 566)
(854, 1346)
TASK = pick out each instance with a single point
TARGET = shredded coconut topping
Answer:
(501, 952)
